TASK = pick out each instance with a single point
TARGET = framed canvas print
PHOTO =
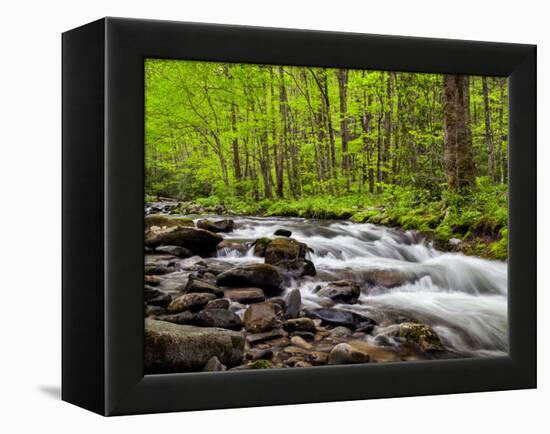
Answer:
(257, 216)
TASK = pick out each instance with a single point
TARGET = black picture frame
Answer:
(103, 159)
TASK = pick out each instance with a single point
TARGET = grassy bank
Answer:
(479, 219)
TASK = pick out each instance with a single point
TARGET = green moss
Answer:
(260, 364)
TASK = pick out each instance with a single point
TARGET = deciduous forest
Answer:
(409, 150)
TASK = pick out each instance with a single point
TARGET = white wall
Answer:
(30, 82)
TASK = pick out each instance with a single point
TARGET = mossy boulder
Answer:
(198, 241)
(263, 276)
(159, 221)
(224, 225)
(173, 347)
(422, 336)
(281, 249)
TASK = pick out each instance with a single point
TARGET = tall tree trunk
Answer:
(279, 168)
(387, 123)
(342, 75)
(488, 131)
(235, 145)
(502, 171)
(458, 154)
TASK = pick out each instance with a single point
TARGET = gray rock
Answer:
(219, 303)
(198, 241)
(293, 304)
(344, 291)
(245, 295)
(343, 354)
(214, 365)
(221, 318)
(262, 276)
(186, 317)
(156, 269)
(179, 348)
(198, 285)
(255, 338)
(340, 331)
(337, 317)
(225, 225)
(180, 252)
(297, 267)
(259, 317)
(193, 302)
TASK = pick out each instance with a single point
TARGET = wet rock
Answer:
(216, 266)
(297, 267)
(308, 336)
(282, 233)
(214, 365)
(260, 245)
(152, 280)
(280, 249)
(162, 300)
(198, 241)
(336, 317)
(385, 277)
(343, 354)
(293, 304)
(262, 276)
(422, 336)
(161, 206)
(299, 324)
(261, 354)
(245, 295)
(227, 247)
(180, 252)
(221, 318)
(259, 317)
(300, 343)
(302, 364)
(193, 302)
(279, 301)
(340, 332)
(156, 269)
(178, 348)
(186, 317)
(344, 291)
(154, 310)
(198, 285)
(255, 338)
(225, 225)
(150, 293)
(159, 222)
(220, 303)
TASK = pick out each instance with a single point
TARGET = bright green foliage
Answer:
(313, 142)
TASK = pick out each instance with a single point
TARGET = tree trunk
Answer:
(342, 75)
(501, 163)
(488, 131)
(458, 154)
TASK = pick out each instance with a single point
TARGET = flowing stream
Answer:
(463, 298)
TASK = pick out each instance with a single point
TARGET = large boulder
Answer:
(422, 336)
(225, 225)
(263, 276)
(336, 317)
(259, 317)
(180, 252)
(344, 291)
(281, 249)
(343, 354)
(388, 278)
(182, 348)
(222, 318)
(297, 267)
(245, 295)
(198, 241)
(156, 222)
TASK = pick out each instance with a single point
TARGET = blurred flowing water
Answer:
(463, 298)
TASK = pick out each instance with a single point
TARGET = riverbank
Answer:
(475, 224)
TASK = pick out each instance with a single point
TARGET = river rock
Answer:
(221, 318)
(336, 317)
(259, 317)
(214, 365)
(152, 280)
(156, 269)
(260, 245)
(385, 277)
(219, 303)
(299, 324)
(245, 295)
(340, 331)
(180, 252)
(280, 249)
(300, 342)
(178, 348)
(225, 225)
(343, 354)
(198, 241)
(421, 335)
(156, 222)
(149, 293)
(193, 302)
(198, 285)
(230, 247)
(344, 291)
(186, 317)
(263, 276)
(255, 338)
(293, 303)
(154, 310)
(297, 267)
(282, 233)
(162, 300)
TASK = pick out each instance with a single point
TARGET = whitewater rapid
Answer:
(463, 298)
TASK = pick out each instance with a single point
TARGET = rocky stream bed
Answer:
(249, 292)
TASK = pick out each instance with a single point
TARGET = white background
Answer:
(30, 182)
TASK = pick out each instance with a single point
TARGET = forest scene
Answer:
(303, 216)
